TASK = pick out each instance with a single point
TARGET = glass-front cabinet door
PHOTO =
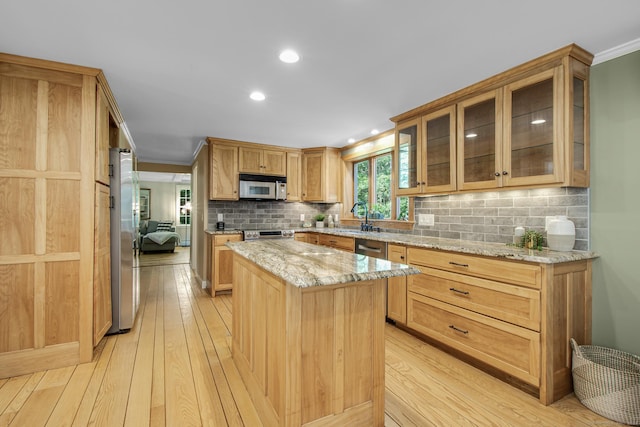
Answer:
(439, 136)
(533, 137)
(579, 124)
(408, 164)
(479, 141)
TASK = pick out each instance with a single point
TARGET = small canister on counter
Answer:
(517, 235)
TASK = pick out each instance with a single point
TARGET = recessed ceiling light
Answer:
(289, 56)
(375, 132)
(538, 122)
(471, 135)
(351, 140)
(257, 96)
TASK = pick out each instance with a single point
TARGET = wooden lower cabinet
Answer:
(221, 274)
(397, 286)
(337, 242)
(309, 356)
(516, 317)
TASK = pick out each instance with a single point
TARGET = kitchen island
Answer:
(308, 332)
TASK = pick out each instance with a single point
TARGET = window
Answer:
(371, 181)
(373, 187)
(184, 205)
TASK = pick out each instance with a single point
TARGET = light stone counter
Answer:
(304, 265)
(498, 250)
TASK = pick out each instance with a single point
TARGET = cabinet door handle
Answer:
(401, 256)
(505, 173)
(458, 329)
(457, 264)
(497, 174)
(459, 291)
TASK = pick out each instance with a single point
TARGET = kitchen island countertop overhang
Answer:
(305, 265)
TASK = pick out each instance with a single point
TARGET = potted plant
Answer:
(319, 220)
(532, 240)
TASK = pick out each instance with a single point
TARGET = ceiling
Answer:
(183, 70)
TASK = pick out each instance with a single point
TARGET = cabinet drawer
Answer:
(509, 348)
(513, 304)
(221, 239)
(338, 242)
(510, 271)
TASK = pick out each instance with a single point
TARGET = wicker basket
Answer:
(607, 381)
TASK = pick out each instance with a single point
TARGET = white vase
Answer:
(319, 224)
(561, 234)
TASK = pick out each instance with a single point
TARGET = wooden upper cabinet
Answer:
(262, 161)
(321, 174)
(533, 137)
(223, 172)
(479, 138)
(439, 151)
(408, 164)
(102, 137)
(526, 127)
(294, 176)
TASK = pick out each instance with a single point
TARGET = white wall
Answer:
(163, 200)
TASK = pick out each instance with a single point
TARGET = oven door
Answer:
(257, 190)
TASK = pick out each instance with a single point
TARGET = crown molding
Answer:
(615, 52)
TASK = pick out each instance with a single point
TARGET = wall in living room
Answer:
(163, 197)
(163, 200)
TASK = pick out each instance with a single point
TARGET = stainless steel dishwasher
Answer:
(374, 249)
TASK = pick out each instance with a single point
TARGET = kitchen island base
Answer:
(309, 356)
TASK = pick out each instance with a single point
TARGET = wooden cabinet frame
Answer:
(569, 168)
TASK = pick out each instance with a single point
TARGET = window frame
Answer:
(366, 150)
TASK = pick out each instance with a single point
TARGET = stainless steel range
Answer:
(268, 234)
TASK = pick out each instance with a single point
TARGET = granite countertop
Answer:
(498, 250)
(305, 265)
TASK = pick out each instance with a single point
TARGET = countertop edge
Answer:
(307, 279)
(495, 250)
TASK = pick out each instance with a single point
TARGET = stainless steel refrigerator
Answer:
(125, 290)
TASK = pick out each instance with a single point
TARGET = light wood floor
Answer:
(174, 369)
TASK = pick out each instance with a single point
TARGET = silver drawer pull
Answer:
(457, 264)
(458, 329)
(459, 291)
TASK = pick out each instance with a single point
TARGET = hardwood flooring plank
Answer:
(219, 335)
(571, 406)
(113, 397)
(91, 394)
(211, 411)
(155, 278)
(223, 309)
(138, 414)
(10, 389)
(65, 411)
(398, 413)
(40, 404)
(180, 394)
(464, 382)
(20, 398)
(205, 308)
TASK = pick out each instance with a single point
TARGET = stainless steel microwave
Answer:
(263, 187)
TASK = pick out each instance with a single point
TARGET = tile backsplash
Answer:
(485, 216)
(267, 215)
(493, 216)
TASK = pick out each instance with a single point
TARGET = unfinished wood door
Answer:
(47, 136)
